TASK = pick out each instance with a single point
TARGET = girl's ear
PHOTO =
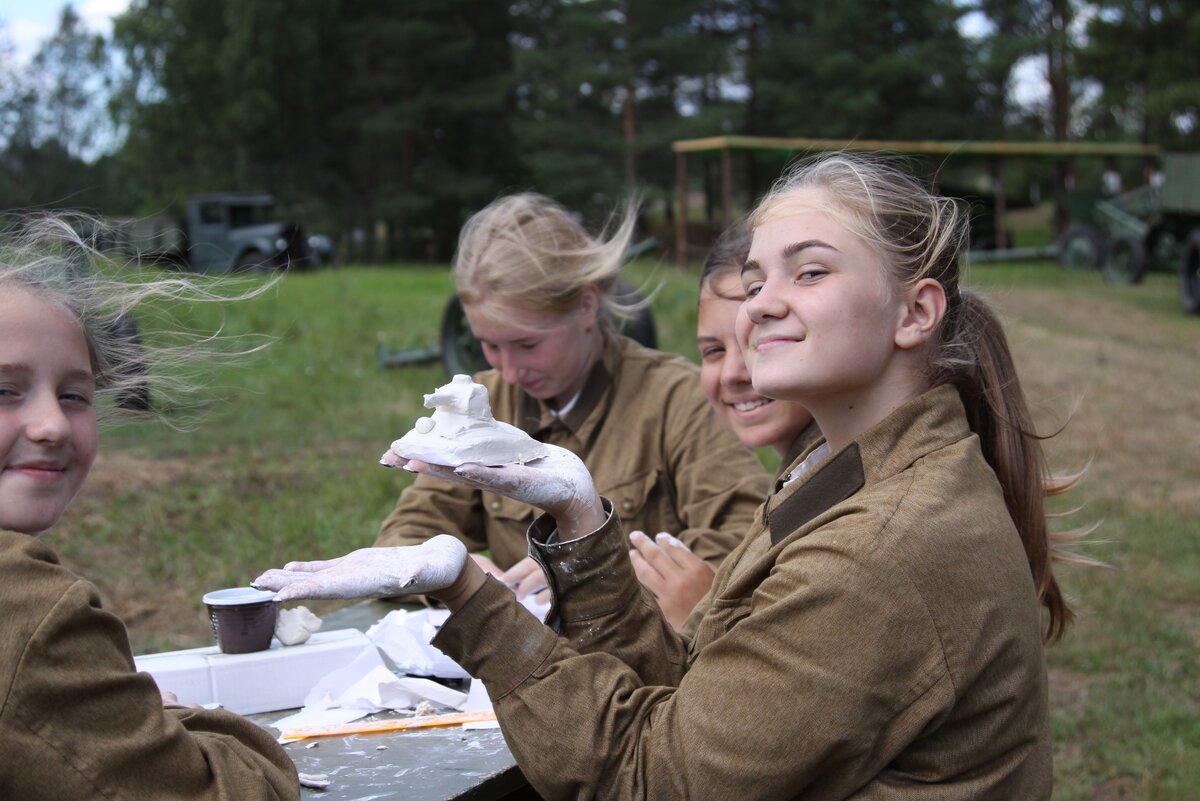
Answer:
(589, 304)
(924, 308)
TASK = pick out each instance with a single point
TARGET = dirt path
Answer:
(1136, 379)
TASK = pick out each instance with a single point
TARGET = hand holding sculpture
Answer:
(558, 483)
(371, 572)
(462, 442)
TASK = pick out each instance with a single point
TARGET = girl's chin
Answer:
(778, 387)
(34, 525)
(756, 433)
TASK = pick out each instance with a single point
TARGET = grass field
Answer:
(283, 466)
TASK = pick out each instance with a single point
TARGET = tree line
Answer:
(393, 121)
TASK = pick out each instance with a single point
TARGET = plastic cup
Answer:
(243, 619)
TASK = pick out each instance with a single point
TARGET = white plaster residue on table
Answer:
(353, 762)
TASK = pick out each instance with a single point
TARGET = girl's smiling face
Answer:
(48, 434)
(757, 420)
(820, 321)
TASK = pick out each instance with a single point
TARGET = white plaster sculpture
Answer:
(295, 626)
(462, 429)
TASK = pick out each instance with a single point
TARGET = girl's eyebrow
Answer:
(14, 368)
(790, 251)
(529, 340)
(80, 375)
(797, 247)
(24, 369)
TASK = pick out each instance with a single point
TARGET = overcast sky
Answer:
(28, 23)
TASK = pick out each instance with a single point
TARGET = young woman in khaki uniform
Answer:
(76, 720)
(878, 633)
(538, 292)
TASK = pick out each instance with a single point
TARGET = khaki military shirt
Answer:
(77, 722)
(651, 441)
(876, 636)
(805, 440)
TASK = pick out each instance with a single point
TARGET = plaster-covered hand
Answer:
(371, 572)
(558, 483)
(677, 577)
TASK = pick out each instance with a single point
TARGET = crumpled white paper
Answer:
(365, 686)
(404, 636)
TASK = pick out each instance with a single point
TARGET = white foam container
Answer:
(263, 681)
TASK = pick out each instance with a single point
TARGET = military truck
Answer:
(221, 232)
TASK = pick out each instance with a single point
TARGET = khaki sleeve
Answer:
(429, 507)
(816, 684)
(719, 482)
(80, 723)
(600, 606)
(605, 616)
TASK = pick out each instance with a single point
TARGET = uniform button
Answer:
(495, 504)
(626, 505)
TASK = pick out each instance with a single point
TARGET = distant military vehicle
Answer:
(220, 233)
(1153, 227)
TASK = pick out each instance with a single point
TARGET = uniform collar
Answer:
(930, 421)
(806, 439)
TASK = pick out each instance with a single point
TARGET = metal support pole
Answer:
(682, 211)
(726, 188)
(1000, 211)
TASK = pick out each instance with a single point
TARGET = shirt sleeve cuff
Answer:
(495, 639)
(589, 577)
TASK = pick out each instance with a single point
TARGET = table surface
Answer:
(449, 763)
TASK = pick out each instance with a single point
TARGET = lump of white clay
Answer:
(462, 429)
(317, 781)
(294, 626)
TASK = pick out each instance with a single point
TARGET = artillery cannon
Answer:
(1154, 227)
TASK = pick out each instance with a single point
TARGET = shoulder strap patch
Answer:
(833, 483)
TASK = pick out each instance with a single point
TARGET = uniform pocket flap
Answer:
(629, 496)
(506, 508)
